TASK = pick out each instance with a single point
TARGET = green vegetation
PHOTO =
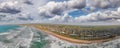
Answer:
(84, 32)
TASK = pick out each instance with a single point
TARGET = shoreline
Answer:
(72, 40)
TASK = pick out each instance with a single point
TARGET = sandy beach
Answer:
(71, 39)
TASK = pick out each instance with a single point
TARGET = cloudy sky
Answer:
(60, 11)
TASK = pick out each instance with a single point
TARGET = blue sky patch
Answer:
(77, 13)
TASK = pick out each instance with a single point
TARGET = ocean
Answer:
(6, 28)
(42, 40)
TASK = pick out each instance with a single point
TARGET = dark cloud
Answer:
(25, 19)
(28, 2)
(10, 10)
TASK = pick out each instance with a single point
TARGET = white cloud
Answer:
(101, 16)
(54, 11)
(18, 10)
(9, 7)
(107, 16)
(52, 8)
(11, 4)
(103, 3)
(64, 18)
(118, 10)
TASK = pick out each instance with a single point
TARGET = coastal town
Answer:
(89, 34)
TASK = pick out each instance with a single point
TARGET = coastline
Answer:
(71, 40)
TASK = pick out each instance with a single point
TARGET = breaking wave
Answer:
(30, 37)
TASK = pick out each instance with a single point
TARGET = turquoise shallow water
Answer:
(5, 28)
